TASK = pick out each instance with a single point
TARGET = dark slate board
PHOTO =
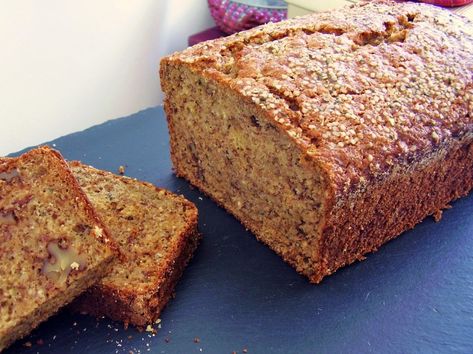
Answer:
(414, 295)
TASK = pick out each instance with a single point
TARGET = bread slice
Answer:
(157, 234)
(52, 244)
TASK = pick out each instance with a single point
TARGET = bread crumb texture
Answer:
(48, 255)
(363, 88)
(330, 134)
(152, 228)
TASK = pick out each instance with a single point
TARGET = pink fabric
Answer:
(448, 3)
(233, 17)
(206, 35)
(232, 23)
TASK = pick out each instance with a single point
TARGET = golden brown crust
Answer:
(48, 258)
(369, 96)
(121, 304)
(361, 90)
(139, 297)
(366, 221)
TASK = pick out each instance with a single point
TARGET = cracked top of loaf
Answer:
(361, 89)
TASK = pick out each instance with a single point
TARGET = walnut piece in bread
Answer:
(47, 256)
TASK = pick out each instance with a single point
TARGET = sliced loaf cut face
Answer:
(157, 234)
(52, 244)
(330, 134)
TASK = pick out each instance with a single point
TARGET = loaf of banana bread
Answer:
(157, 234)
(52, 244)
(330, 134)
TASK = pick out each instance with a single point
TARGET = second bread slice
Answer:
(157, 234)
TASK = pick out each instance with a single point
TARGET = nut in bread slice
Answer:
(52, 244)
(156, 232)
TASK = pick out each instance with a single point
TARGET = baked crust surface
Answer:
(52, 244)
(157, 234)
(363, 89)
(375, 101)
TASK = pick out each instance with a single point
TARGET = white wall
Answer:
(66, 65)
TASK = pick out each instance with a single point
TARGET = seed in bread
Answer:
(157, 234)
(48, 255)
(330, 134)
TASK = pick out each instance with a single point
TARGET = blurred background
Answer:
(66, 65)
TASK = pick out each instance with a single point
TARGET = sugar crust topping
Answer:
(361, 88)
